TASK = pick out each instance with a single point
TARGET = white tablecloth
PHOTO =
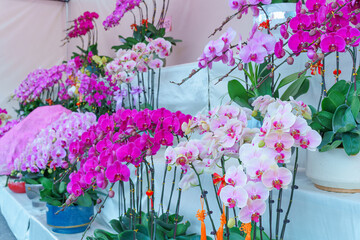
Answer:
(28, 223)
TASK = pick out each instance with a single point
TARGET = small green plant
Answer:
(339, 118)
(140, 226)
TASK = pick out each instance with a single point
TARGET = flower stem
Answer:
(205, 198)
(278, 210)
(162, 190)
(178, 207)
(261, 228)
(158, 90)
(97, 213)
(171, 194)
(293, 187)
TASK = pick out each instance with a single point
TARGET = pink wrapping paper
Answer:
(15, 141)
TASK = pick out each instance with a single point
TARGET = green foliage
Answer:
(141, 32)
(54, 192)
(260, 84)
(141, 225)
(338, 121)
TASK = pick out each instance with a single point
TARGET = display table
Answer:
(28, 223)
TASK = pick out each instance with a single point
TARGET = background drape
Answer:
(31, 32)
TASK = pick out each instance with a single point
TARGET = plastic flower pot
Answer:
(16, 187)
(73, 219)
(334, 171)
(33, 193)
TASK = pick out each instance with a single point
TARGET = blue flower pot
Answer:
(73, 219)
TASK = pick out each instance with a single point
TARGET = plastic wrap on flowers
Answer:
(15, 141)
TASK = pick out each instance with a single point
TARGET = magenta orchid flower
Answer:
(276, 177)
(233, 196)
(128, 153)
(252, 211)
(300, 22)
(314, 5)
(117, 172)
(279, 49)
(350, 34)
(332, 43)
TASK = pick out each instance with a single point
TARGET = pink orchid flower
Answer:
(252, 211)
(279, 141)
(256, 190)
(233, 196)
(235, 176)
(256, 167)
(214, 48)
(276, 177)
(310, 141)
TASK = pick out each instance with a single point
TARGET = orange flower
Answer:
(145, 22)
(317, 66)
(49, 101)
(133, 26)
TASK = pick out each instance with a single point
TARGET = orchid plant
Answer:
(261, 156)
(320, 29)
(131, 64)
(109, 151)
(46, 158)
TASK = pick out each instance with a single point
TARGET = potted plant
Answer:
(47, 159)
(334, 166)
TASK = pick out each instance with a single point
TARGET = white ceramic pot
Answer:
(334, 171)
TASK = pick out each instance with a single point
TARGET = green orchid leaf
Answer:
(351, 143)
(287, 80)
(343, 120)
(294, 88)
(47, 183)
(103, 235)
(340, 86)
(115, 224)
(331, 146)
(141, 229)
(325, 119)
(304, 88)
(354, 103)
(238, 93)
(332, 101)
(327, 138)
(85, 200)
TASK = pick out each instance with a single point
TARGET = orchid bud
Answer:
(169, 168)
(321, 56)
(240, 66)
(312, 32)
(254, 113)
(261, 144)
(98, 169)
(290, 60)
(333, 5)
(340, 14)
(269, 66)
(239, 16)
(111, 194)
(231, 223)
(303, 11)
(50, 171)
(68, 201)
(307, 65)
(98, 201)
(42, 172)
(271, 75)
